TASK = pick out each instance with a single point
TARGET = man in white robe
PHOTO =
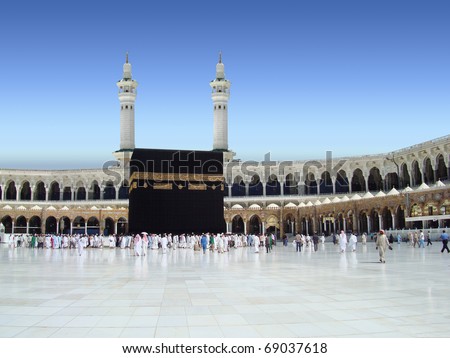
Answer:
(65, 242)
(144, 244)
(48, 242)
(164, 242)
(80, 244)
(343, 241)
(155, 242)
(364, 238)
(182, 241)
(382, 244)
(12, 241)
(219, 242)
(256, 241)
(137, 245)
(322, 239)
(225, 243)
(150, 241)
(353, 240)
(176, 241)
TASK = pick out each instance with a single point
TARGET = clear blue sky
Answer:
(353, 77)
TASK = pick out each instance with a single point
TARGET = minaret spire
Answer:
(220, 56)
(126, 59)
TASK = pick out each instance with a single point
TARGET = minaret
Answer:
(220, 95)
(127, 97)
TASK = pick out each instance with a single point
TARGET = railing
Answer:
(306, 198)
(434, 233)
(114, 202)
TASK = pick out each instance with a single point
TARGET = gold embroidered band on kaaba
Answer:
(164, 181)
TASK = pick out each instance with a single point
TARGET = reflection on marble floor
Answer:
(110, 293)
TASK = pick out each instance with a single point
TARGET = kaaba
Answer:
(176, 191)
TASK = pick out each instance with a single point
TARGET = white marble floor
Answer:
(109, 293)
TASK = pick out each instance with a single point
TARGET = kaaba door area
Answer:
(176, 191)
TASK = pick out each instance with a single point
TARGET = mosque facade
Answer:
(406, 188)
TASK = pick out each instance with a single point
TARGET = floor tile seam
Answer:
(106, 318)
(15, 335)
(99, 328)
(367, 322)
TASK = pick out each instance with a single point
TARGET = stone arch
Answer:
(289, 223)
(50, 225)
(441, 168)
(109, 226)
(109, 192)
(310, 184)
(290, 185)
(237, 225)
(124, 189)
(34, 225)
(404, 174)
(11, 191)
(428, 173)
(432, 209)
(272, 225)
(307, 225)
(326, 184)
(392, 181)
(67, 193)
(254, 225)
(387, 219)
(349, 220)
(93, 226)
(78, 226)
(39, 192)
(375, 181)
(226, 188)
(7, 223)
(358, 182)
(416, 174)
(122, 226)
(54, 191)
(273, 186)
(81, 193)
(20, 226)
(255, 186)
(342, 185)
(400, 222)
(95, 192)
(400, 218)
(340, 222)
(64, 225)
(238, 187)
(375, 220)
(25, 191)
(363, 224)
